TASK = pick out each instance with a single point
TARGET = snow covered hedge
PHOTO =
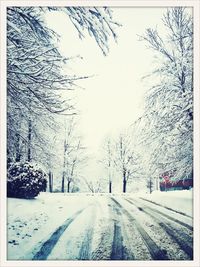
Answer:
(25, 180)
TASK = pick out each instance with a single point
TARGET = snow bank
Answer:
(181, 201)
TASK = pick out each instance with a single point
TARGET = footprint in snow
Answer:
(13, 242)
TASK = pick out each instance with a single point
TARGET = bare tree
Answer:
(168, 120)
(34, 78)
(126, 160)
(108, 161)
(74, 157)
(150, 184)
(68, 139)
(77, 160)
(93, 185)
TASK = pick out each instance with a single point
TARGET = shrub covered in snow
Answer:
(25, 180)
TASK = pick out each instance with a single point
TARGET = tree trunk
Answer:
(63, 184)
(124, 186)
(110, 187)
(29, 140)
(150, 186)
(68, 186)
(64, 163)
(124, 180)
(50, 182)
(18, 154)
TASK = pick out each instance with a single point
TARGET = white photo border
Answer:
(195, 4)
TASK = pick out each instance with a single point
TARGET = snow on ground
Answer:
(153, 229)
(90, 236)
(85, 233)
(102, 241)
(179, 200)
(31, 222)
(69, 244)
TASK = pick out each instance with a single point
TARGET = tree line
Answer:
(38, 90)
(162, 138)
(38, 96)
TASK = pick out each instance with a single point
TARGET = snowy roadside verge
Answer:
(179, 201)
(31, 222)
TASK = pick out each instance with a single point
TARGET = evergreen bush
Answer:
(25, 180)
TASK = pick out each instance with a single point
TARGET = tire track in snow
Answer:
(154, 250)
(49, 244)
(104, 231)
(85, 250)
(181, 238)
(162, 213)
(179, 212)
(117, 246)
(120, 250)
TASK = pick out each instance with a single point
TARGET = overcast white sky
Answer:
(113, 98)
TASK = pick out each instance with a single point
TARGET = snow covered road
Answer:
(102, 227)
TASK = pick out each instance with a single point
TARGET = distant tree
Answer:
(150, 184)
(93, 185)
(108, 161)
(125, 159)
(74, 154)
(168, 130)
(75, 189)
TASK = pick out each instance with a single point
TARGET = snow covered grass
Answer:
(30, 222)
(181, 201)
